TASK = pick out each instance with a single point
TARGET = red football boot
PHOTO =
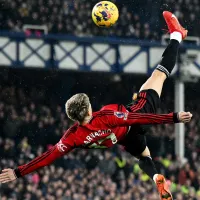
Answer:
(173, 24)
(163, 188)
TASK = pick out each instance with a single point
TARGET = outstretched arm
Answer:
(45, 159)
(113, 118)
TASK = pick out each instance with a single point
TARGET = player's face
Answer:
(90, 110)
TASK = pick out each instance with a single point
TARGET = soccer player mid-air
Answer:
(118, 124)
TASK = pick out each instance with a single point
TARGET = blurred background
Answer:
(50, 50)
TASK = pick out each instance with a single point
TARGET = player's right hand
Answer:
(184, 117)
(7, 175)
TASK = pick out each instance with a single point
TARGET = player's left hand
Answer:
(184, 117)
(7, 175)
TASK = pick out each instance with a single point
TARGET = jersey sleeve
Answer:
(113, 118)
(57, 151)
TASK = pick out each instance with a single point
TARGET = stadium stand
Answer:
(74, 17)
(30, 124)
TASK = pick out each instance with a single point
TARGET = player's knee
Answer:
(146, 153)
(159, 75)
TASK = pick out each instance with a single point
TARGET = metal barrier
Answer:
(87, 54)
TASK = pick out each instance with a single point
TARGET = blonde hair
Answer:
(77, 107)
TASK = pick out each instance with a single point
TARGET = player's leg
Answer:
(136, 145)
(147, 165)
(164, 69)
(148, 98)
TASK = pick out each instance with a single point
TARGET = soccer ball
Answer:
(105, 14)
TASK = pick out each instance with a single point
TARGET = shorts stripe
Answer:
(144, 101)
(140, 104)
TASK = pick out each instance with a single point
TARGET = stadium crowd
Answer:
(28, 127)
(138, 18)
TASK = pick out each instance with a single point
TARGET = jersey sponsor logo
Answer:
(61, 147)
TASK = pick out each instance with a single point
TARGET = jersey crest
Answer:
(119, 114)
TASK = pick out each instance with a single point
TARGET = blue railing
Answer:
(81, 53)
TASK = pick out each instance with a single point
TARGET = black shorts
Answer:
(148, 101)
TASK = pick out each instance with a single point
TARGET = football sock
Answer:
(155, 177)
(147, 165)
(176, 36)
(169, 57)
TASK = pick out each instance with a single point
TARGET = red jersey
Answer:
(106, 127)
